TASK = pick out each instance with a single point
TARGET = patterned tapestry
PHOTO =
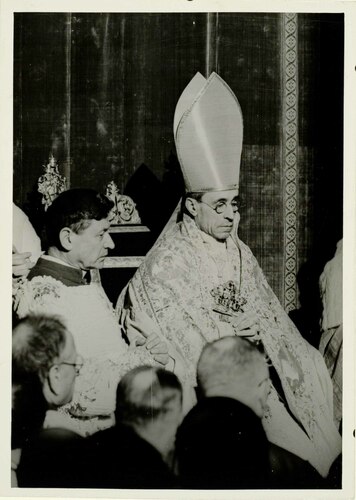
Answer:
(98, 91)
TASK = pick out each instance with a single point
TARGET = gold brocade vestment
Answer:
(174, 287)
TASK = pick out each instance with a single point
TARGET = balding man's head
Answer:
(149, 400)
(37, 342)
(43, 350)
(233, 367)
(144, 393)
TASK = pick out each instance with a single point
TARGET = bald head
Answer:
(233, 367)
(149, 400)
(144, 393)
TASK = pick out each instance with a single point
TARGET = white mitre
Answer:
(208, 131)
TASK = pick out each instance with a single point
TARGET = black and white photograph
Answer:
(180, 196)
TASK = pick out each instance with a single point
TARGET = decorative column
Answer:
(289, 131)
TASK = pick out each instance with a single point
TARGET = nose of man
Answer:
(109, 241)
(229, 213)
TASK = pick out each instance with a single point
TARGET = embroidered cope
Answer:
(186, 283)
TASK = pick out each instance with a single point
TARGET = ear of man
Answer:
(52, 384)
(191, 206)
(66, 238)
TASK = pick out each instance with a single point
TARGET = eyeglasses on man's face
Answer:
(221, 206)
(78, 365)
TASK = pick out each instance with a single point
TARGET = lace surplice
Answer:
(90, 317)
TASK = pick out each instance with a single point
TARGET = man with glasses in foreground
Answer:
(45, 365)
(200, 282)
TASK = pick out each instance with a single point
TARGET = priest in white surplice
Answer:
(77, 230)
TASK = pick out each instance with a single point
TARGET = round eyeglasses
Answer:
(221, 206)
(78, 365)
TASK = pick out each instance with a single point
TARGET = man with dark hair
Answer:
(75, 208)
(148, 412)
(45, 365)
(78, 239)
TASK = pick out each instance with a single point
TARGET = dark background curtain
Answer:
(99, 92)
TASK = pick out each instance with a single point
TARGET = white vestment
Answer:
(187, 281)
(90, 317)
